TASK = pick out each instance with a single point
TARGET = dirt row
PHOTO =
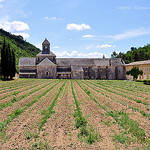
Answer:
(114, 105)
(23, 102)
(59, 131)
(90, 108)
(114, 97)
(28, 123)
(131, 95)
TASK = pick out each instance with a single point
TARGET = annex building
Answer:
(142, 65)
(47, 66)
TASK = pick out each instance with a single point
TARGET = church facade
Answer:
(47, 66)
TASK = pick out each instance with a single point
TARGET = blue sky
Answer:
(79, 28)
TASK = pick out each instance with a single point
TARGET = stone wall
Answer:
(77, 74)
(46, 72)
(111, 73)
(144, 67)
(27, 75)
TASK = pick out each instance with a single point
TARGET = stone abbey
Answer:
(47, 66)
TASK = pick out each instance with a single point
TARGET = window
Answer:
(46, 46)
(47, 73)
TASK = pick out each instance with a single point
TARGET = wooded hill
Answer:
(135, 54)
(20, 46)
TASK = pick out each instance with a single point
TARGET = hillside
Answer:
(20, 46)
(135, 54)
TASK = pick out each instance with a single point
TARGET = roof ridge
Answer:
(46, 62)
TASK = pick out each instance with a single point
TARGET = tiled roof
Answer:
(89, 62)
(27, 61)
(44, 55)
(116, 62)
(139, 63)
(46, 62)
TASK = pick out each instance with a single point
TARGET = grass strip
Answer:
(142, 112)
(121, 94)
(89, 135)
(47, 113)
(17, 92)
(14, 99)
(15, 87)
(130, 126)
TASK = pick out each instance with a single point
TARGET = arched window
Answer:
(46, 73)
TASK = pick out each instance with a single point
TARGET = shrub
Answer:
(134, 72)
(147, 82)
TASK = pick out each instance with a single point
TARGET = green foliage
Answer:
(92, 136)
(135, 54)
(134, 72)
(14, 99)
(147, 82)
(28, 135)
(121, 138)
(7, 61)
(80, 122)
(42, 145)
(20, 46)
(128, 124)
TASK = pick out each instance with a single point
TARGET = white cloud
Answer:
(105, 46)
(2, 1)
(90, 47)
(51, 18)
(55, 47)
(76, 54)
(24, 35)
(78, 27)
(88, 36)
(16, 27)
(131, 34)
(39, 45)
(13, 26)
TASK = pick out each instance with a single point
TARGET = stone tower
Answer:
(46, 47)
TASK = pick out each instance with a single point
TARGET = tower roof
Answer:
(45, 42)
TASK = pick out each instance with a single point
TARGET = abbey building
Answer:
(47, 66)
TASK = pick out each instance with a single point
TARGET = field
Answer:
(74, 114)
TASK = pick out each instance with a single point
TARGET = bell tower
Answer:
(46, 47)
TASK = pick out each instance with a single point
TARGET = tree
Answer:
(13, 65)
(134, 72)
(103, 56)
(8, 61)
(114, 55)
(3, 59)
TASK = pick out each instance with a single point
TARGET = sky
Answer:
(79, 28)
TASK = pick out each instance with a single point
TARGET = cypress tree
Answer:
(13, 65)
(3, 59)
(8, 61)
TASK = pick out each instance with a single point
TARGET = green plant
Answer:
(121, 139)
(28, 135)
(14, 99)
(92, 136)
(134, 72)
